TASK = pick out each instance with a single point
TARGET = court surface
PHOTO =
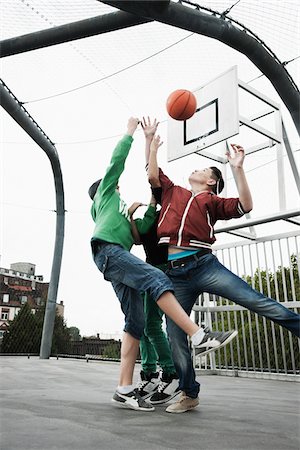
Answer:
(66, 404)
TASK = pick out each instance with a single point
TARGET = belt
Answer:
(181, 262)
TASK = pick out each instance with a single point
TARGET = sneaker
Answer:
(132, 400)
(184, 404)
(147, 384)
(167, 389)
(214, 340)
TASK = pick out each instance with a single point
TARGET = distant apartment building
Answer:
(20, 285)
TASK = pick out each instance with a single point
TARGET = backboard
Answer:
(216, 118)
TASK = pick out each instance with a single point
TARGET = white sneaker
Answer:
(214, 340)
(147, 384)
(132, 400)
(167, 389)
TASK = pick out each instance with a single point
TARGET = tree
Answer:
(283, 276)
(61, 336)
(74, 333)
(282, 350)
(112, 351)
(23, 335)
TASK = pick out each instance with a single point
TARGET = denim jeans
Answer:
(209, 275)
(130, 276)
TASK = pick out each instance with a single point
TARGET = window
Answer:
(23, 299)
(1, 334)
(4, 314)
(5, 298)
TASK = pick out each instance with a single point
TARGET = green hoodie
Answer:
(109, 211)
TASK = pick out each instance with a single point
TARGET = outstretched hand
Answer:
(149, 127)
(132, 125)
(156, 143)
(236, 158)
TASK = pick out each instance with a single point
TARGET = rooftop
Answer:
(66, 404)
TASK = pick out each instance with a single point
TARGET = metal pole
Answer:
(291, 156)
(17, 111)
(281, 185)
(283, 215)
(69, 32)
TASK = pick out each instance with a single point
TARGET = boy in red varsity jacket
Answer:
(186, 225)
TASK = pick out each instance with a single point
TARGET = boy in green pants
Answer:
(154, 344)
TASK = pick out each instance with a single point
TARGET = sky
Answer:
(85, 124)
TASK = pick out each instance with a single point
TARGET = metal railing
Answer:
(262, 348)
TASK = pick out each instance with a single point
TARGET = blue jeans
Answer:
(209, 275)
(130, 277)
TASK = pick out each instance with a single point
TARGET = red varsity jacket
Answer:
(187, 219)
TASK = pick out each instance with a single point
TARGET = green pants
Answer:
(154, 344)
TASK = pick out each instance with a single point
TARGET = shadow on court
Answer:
(66, 405)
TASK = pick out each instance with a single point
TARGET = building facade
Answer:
(20, 285)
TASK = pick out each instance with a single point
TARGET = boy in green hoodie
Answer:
(111, 243)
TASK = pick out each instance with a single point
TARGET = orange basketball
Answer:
(181, 104)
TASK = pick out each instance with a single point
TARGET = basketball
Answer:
(181, 104)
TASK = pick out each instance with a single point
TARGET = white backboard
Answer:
(216, 118)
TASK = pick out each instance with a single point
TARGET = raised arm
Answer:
(236, 161)
(149, 129)
(153, 170)
(117, 162)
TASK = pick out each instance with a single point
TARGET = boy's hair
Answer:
(93, 189)
(217, 175)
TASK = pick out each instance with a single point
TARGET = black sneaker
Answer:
(147, 384)
(167, 389)
(132, 400)
(214, 340)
